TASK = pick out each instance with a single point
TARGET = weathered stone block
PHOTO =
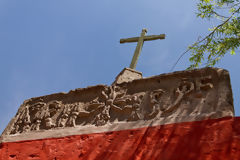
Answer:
(138, 102)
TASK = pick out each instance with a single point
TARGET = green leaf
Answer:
(207, 1)
(233, 52)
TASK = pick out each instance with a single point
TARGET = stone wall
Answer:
(138, 102)
(215, 139)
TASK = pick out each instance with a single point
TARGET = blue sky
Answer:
(51, 46)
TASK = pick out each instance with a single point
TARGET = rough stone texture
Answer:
(215, 139)
(175, 97)
(127, 75)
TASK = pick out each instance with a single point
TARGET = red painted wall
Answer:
(205, 140)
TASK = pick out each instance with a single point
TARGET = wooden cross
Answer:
(140, 41)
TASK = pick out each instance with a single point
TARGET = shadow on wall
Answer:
(208, 139)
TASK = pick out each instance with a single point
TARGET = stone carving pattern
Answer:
(55, 114)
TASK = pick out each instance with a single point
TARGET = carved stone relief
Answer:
(143, 99)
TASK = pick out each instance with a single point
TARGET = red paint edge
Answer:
(217, 139)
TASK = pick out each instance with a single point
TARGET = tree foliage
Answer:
(223, 38)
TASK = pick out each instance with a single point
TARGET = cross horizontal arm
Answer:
(146, 38)
(134, 39)
(154, 37)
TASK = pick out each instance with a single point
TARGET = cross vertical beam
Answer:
(138, 49)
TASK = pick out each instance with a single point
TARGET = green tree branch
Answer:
(222, 39)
